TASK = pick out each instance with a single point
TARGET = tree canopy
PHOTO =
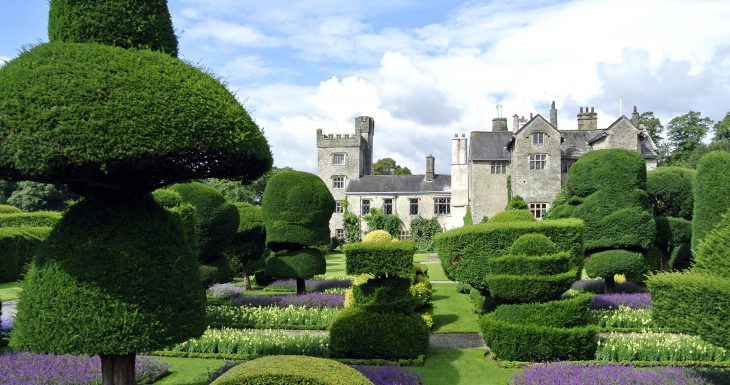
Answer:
(388, 166)
(685, 133)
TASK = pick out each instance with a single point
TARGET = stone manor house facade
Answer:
(532, 160)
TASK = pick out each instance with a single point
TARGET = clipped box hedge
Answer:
(385, 295)
(380, 259)
(610, 262)
(522, 264)
(565, 313)
(305, 263)
(529, 288)
(292, 370)
(465, 251)
(34, 219)
(17, 245)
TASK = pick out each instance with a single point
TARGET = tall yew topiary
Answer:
(249, 243)
(296, 207)
(117, 275)
(711, 198)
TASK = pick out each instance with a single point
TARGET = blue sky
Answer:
(428, 69)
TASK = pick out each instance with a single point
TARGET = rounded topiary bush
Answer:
(378, 236)
(533, 244)
(297, 207)
(302, 264)
(611, 262)
(88, 290)
(292, 370)
(529, 288)
(127, 119)
(670, 191)
(713, 252)
(711, 198)
(249, 242)
(8, 209)
(612, 169)
(385, 295)
(167, 198)
(123, 23)
(513, 216)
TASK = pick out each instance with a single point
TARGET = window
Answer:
(404, 235)
(441, 206)
(365, 207)
(414, 206)
(340, 233)
(567, 164)
(338, 159)
(387, 206)
(498, 167)
(537, 161)
(538, 137)
(338, 207)
(538, 209)
(338, 182)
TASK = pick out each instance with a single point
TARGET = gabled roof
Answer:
(490, 145)
(575, 143)
(621, 118)
(534, 118)
(399, 184)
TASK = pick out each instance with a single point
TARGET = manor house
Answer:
(531, 160)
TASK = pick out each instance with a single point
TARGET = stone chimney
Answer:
(430, 161)
(587, 120)
(553, 115)
(499, 125)
(515, 122)
(635, 117)
(462, 149)
(455, 143)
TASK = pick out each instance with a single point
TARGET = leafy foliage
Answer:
(351, 224)
(533, 245)
(713, 251)
(35, 219)
(376, 220)
(377, 236)
(711, 198)
(513, 216)
(380, 259)
(249, 242)
(610, 262)
(653, 126)
(516, 203)
(685, 133)
(294, 370)
(670, 191)
(303, 264)
(388, 166)
(33, 196)
(722, 129)
(423, 231)
(17, 245)
(241, 191)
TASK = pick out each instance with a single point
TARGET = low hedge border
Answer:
(34, 219)
(418, 361)
(530, 288)
(380, 259)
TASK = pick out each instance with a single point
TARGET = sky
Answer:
(426, 70)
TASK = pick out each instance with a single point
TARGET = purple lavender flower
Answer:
(225, 290)
(597, 286)
(311, 284)
(613, 301)
(37, 369)
(311, 300)
(608, 374)
(6, 325)
(388, 375)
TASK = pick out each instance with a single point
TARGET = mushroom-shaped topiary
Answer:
(608, 263)
(249, 243)
(377, 236)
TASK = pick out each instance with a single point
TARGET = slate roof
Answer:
(646, 150)
(399, 184)
(488, 145)
(575, 143)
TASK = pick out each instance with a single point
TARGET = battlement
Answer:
(338, 140)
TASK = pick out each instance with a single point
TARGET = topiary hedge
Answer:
(34, 219)
(292, 370)
(533, 245)
(711, 198)
(564, 313)
(380, 259)
(303, 264)
(8, 209)
(713, 252)
(17, 245)
(357, 333)
(513, 216)
(385, 295)
(249, 242)
(529, 288)
(670, 191)
(167, 198)
(465, 251)
(123, 23)
(522, 264)
(377, 236)
(611, 262)
(614, 169)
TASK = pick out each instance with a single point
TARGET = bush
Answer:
(529, 288)
(670, 191)
(357, 333)
(249, 242)
(626, 228)
(377, 236)
(526, 342)
(521, 264)
(120, 23)
(513, 216)
(564, 313)
(215, 271)
(75, 301)
(711, 198)
(17, 246)
(303, 264)
(464, 252)
(390, 223)
(380, 259)
(297, 207)
(167, 198)
(8, 209)
(614, 169)
(423, 231)
(516, 203)
(385, 295)
(184, 124)
(292, 370)
(611, 262)
(692, 303)
(532, 245)
(482, 302)
(713, 252)
(34, 219)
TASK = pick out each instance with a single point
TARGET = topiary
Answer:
(614, 169)
(516, 203)
(123, 23)
(297, 207)
(713, 251)
(249, 243)
(608, 263)
(711, 199)
(300, 264)
(167, 198)
(8, 209)
(533, 244)
(513, 216)
(292, 370)
(670, 191)
(377, 236)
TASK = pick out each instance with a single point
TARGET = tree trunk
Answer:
(246, 278)
(117, 370)
(301, 289)
(665, 260)
(610, 285)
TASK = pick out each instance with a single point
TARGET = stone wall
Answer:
(488, 191)
(536, 186)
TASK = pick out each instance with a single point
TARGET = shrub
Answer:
(533, 244)
(626, 228)
(34, 219)
(357, 333)
(464, 252)
(385, 295)
(516, 203)
(693, 303)
(527, 342)
(249, 242)
(670, 191)
(610, 262)
(713, 251)
(296, 208)
(673, 237)
(529, 288)
(614, 169)
(7, 209)
(377, 236)
(17, 245)
(482, 302)
(513, 216)
(423, 231)
(711, 199)
(120, 23)
(380, 258)
(389, 223)
(563, 313)
(293, 370)
(521, 264)
(301, 264)
(167, 198)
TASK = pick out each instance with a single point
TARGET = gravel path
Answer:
(9, 308)
(456, 340)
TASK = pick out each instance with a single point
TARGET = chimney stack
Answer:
(455, 143)
(462, 149)
(553, 115)
(429, 168)
(635, 117)
(587, 120)
(515, 122)
(499, 125)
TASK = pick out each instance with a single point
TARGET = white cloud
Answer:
(3, 60)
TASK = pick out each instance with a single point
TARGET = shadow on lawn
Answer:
(441, 320)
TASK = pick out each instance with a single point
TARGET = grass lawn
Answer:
(452, 310)
(462, 367)
(10, 291)
(188, 371)
(335, 265)
(436, 272)
(420, 257)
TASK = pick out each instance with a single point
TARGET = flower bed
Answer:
(309, 300)
(614, 301)
(597, 286)
(271, 317)
(605, 374)
(652, 346)
(623, 318)
(388, 375)
(311, 284)
(225, 290)
(43, 369)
